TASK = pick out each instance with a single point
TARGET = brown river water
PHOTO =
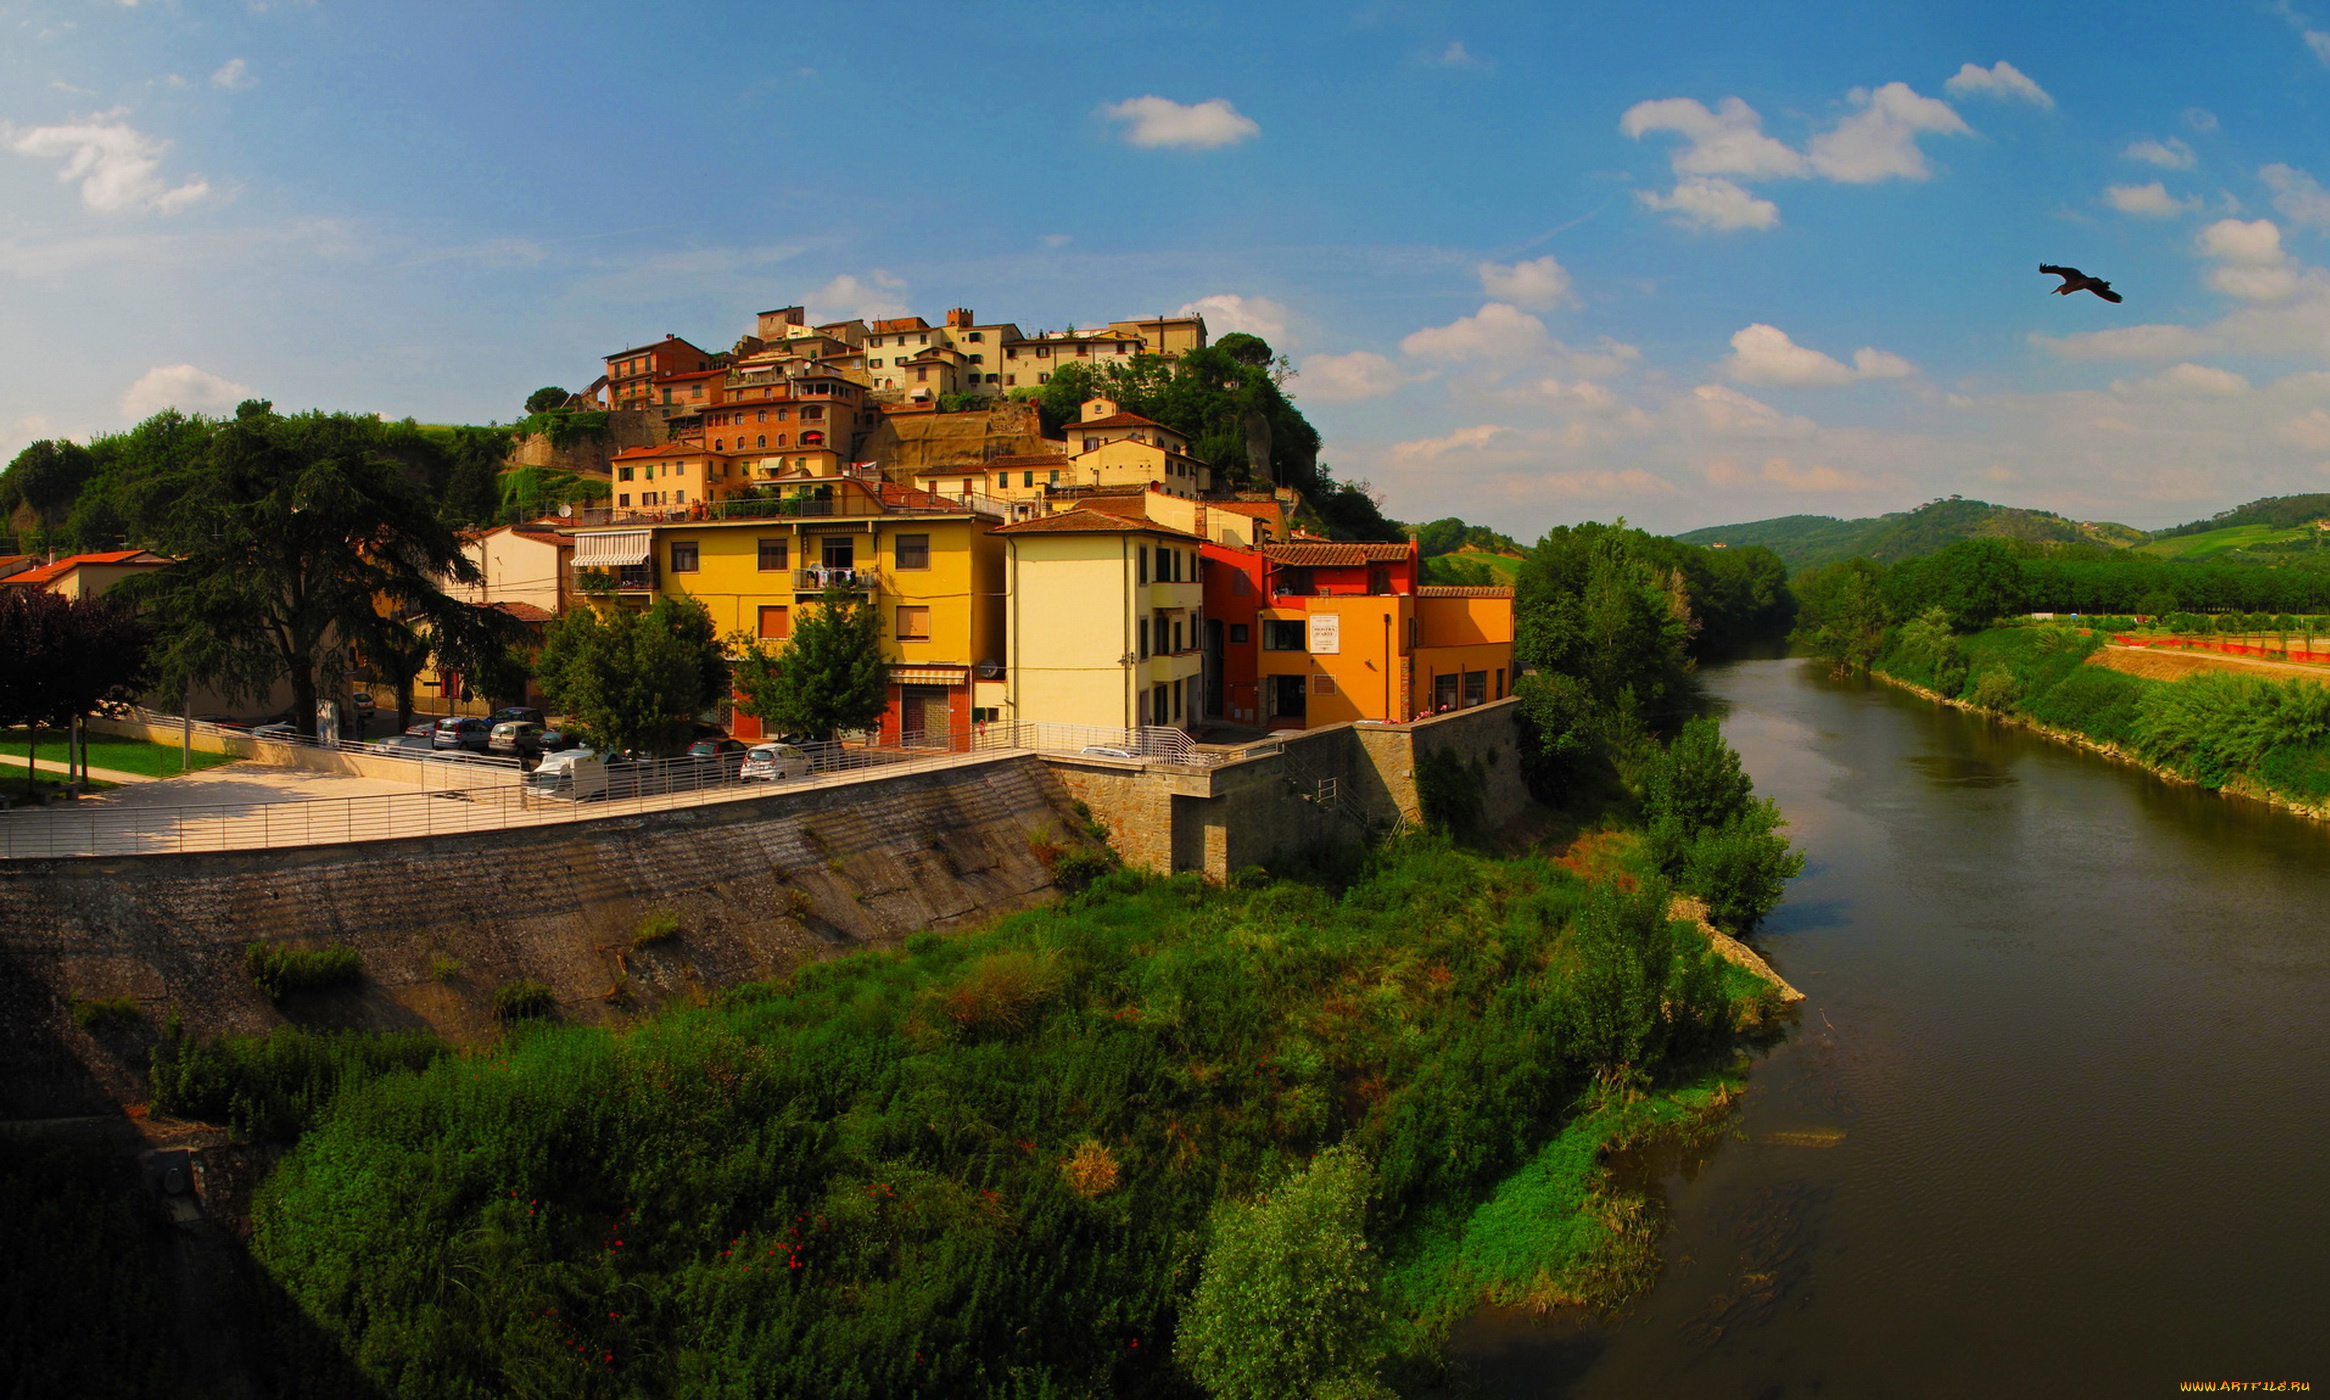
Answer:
(2056, 1118)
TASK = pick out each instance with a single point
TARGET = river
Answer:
(2056, 1119)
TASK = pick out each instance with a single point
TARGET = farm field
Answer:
(2214, 542)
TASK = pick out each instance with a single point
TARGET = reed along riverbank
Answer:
(2256, 735)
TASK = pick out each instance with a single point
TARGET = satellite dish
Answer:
(990, 669)
(566, 510)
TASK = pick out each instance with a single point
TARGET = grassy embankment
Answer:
(992, 1163)
(110, 751)
(2222, 729)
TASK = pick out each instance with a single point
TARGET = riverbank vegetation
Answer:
(1006, 1162)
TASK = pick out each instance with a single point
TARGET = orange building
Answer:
(632, 374)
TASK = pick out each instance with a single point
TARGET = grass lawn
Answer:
(110, 751)
(17, 785)
(2213, 542)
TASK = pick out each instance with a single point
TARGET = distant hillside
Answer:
(1805, 540)
(2278, 512)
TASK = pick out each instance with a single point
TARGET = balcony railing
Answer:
(845, 504)
(818, 579)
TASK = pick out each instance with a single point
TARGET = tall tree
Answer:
(1605, 633)
(294, 538)
(66, 657)
(48, 478)
(637, 679)
(829, 677)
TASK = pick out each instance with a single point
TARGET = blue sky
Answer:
(1685, 262)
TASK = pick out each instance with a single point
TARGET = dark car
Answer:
(719, 757)
(555, 740)
(463, 732)
(522, 714)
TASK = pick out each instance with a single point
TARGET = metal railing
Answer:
(501, 798)
(394, 746)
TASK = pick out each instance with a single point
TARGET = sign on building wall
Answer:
(1326, 634)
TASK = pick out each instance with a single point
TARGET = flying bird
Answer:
(2076, 281)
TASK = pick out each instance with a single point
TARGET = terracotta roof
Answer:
(651, 345)
(1449, 590)
(893, 494)
(1248, 507)
(50, 573)
(1125, 420)
(670, 449)
(14, 564)
(525, 612)
(1326, 555)
(1029, 459)
(1090, 522)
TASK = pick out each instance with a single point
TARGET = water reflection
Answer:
(2050, 1123)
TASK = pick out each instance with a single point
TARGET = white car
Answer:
(1106, 751)
(280, 729)
(770, 763)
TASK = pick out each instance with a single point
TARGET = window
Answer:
(810, 413)
(1240, 633)
(761, 417)
(1143, 628)
(975, 336)
(813, 439)
(719, 444)
(1055, 477)
(776, 624)
(1286, 696)
(683, 557)
(1379, 581)
(873, 364)
(780, 439)
(838, 551)
(1476, 688)
(1141, 565)
(761, 440)
(978, 359)
(913, 624)
(1043, 379)
(1092, 444)
(679, 498)
(913, 551)
(1177, 699)
(775, 555)
(1027, 478)
(624, 473)
(624, 499)
(1010, 379)
(1159, 706)
(1287, 634)
(1177, 634)
(1043, 352)
(1500, 683)
(922, 374)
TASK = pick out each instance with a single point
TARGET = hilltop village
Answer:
(1104, 576)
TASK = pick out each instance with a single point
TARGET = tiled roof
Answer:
(901, 323)
(1125, 420)
(50, 573)
(1248, 507)
(14, 564)
(1089, 522)
(669, 449)
(1449, 590)
(1326, 555)
(525, 612)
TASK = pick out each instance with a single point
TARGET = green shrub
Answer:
(1741, 870)
(2093, 700)
(1995, 689)
(445, 969)
(524, 1000)
(1451, 793)
(1076, 870)
(281, 971)
(106, 1013)
(274, 1085)
(659, 927)
(1286, 1300)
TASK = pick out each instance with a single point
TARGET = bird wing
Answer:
(2105, 291)
(2071, 273)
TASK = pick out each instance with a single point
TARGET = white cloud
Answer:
(1226, 313)
(1201, 126)
(1712, 205)
(879, 295)
(1727, 141)
(2152, 342)
(1497, 331)
(1539, 284)
(1054, 240)
(234, 75)
(1362, 374)
(2250, 262)
(1456, 55)
(2187, 379)
(1729, 413)
(1781, 472)
(2171, 154)
(2200, 119)
(2152, 201)
(1762, 354)
(2319, 41)
(2297, 195)
(1879, 141)
(1463, 440)
(2001, 79)
(117, 166)
(182, 387)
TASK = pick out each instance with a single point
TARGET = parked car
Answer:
(770, 763)
(517, 736)
(223, 722)
(554, 740)
(463, 732)
(278, 729)
(421, 729)
(576, 775)
(720, 755)
(361, 702)
(524, 714)
(1105, 751)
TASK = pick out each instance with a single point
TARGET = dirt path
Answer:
(2166, 664)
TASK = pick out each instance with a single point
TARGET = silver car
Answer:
(771, 763)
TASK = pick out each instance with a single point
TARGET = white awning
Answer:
(610, 550)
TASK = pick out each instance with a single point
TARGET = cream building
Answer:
(1105, 621)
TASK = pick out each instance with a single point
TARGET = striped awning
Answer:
(614, 549)
(929, 675)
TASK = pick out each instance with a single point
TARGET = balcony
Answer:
(817, 580)
(635, 578)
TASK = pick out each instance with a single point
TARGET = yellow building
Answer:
(932, 567)
(1105, 621)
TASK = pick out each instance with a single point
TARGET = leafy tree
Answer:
(1705, 828)
(1601, 639)
(47, 477)
(547, 399)
(1841, 616)
(1351, 510)
(294, 536)
(1930, 644)
(1285, 1306)
(1741, 869)
(830, 676)
(65, 658)
(636, 678)
(472, 495)
(1625, 951)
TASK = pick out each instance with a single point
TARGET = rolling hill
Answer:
(1802, 541)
